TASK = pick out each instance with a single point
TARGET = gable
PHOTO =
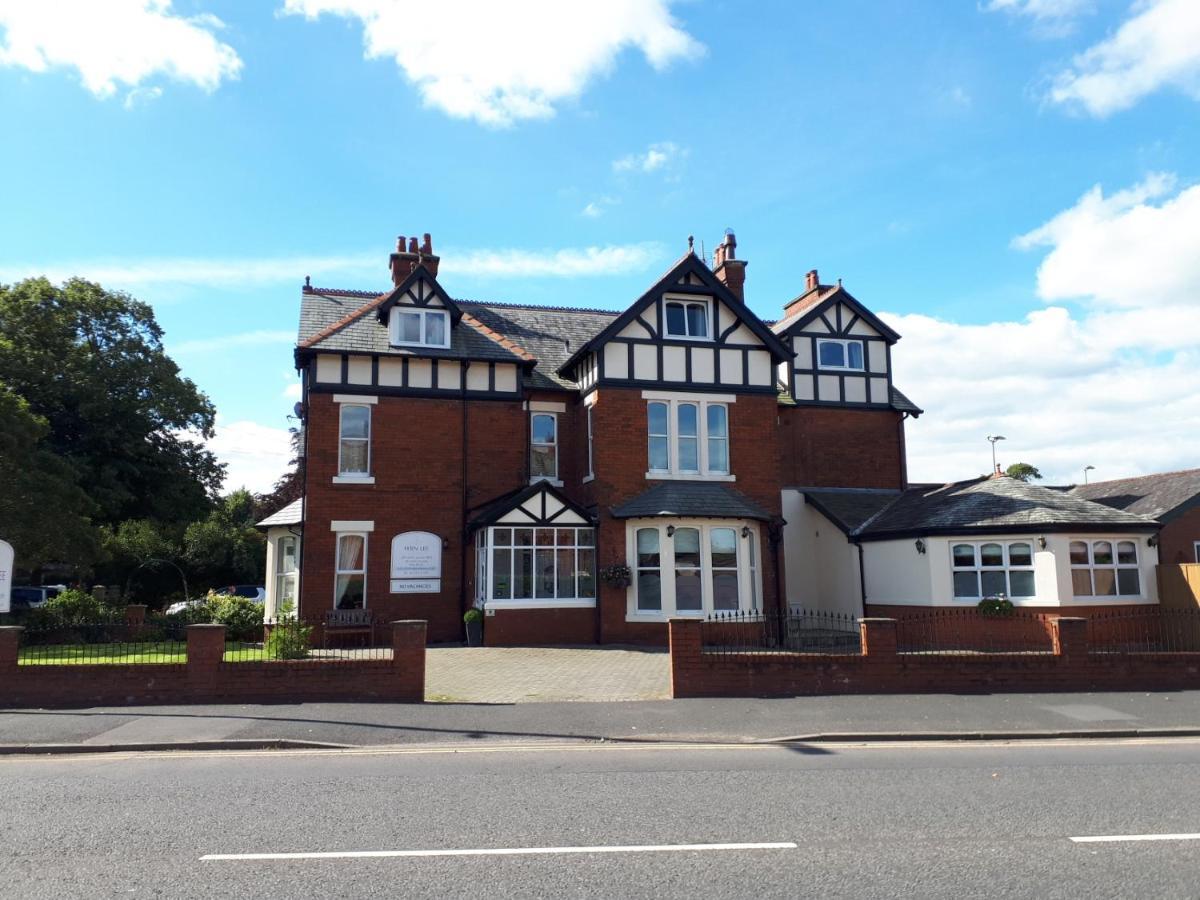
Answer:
(537, 505)
(841, 315)
(421, 290)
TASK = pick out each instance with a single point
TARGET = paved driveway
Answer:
(543, 674)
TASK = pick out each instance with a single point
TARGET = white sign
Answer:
(416, 563)
(6, 575)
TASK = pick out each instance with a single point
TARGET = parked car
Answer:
(27, 596)
(256, 593)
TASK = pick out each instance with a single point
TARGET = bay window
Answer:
(692, 567)
(993, 569)
(687, 438)
(285, 572)
(536, 566)
(1105, 568)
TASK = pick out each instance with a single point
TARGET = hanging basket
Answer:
(617, 576)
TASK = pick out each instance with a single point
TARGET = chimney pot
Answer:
(427, 244)
(811, 280)
(400, 244)
(730, 270)
(412, 245)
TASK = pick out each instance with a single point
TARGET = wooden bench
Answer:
(350, 621)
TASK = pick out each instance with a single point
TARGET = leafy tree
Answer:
(226, 548)
(44, 513)
(290, 486)
(1023, 472)
(91, 364)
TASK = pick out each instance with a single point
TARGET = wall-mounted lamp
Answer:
(920, 545)
(445, 543)
(1042, 542)
(1152, 541)
(670, 531)
(745, 531)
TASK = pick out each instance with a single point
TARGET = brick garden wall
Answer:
(205, 678)
(879, 669)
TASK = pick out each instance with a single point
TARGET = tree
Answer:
(1023, 472)
(90, 363)
(226, 548)
(290, 485)
(44, 513)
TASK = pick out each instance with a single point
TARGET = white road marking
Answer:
(1118, 838)
(506, 851)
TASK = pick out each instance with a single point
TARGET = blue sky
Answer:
(1012, 182)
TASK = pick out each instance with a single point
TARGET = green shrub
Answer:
(242, 617)
(288, 639)
(73, 607)
(472, 615)
(995, 606)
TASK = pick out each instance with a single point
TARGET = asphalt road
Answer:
(878, 821)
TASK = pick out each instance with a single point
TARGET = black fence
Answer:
(969, 632)
(294, 639)
(94, 643)
(1152, 630)
(794, 631)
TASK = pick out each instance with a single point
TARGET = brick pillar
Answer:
(10, 646)
(878, 638)
(686, 645)
(408, 655)
(1070, 637)
(135, 614)
(205, 647)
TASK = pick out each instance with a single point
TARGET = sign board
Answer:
(6, 575)
(416, 563)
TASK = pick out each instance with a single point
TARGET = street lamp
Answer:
(1087, 469)
(993, 438)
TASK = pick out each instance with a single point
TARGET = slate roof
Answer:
(849, 508)
(292, 514)
(994, 505)
(1163, 496)
(691, 499)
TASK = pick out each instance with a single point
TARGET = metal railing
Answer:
(98, 643)
(970, 632)
(314, 639)
(795, 630)
(1152, 630)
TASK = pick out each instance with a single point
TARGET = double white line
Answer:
(506, 851)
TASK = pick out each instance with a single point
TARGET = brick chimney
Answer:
(408, 257)
(730, 270)
(811, 281)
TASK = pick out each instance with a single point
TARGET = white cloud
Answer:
(593, 210)
(1108, 384)
(656, 156)
(499, 63)
(226, 342)
(293, 391)
(1157, 47)
(114, 43)
(257, 455)
(1041, 10)
(613, 259)
(142, 96)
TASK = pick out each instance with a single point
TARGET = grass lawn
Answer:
(158, 652)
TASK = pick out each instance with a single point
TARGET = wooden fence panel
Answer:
(1179, 585)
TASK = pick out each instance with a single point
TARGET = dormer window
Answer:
(845, 355)
(419, 328)
(687, 319)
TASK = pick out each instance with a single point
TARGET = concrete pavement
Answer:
(837, 821)
(719, 720)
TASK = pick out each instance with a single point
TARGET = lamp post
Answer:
(1087, 469)
(993, 438)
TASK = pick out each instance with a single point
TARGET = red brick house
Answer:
(580, 475)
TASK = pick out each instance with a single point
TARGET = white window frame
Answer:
(424, 313)
(685, 302)
(749, 572)
(1115, 567)
(486, 547)
(1006, 567)
(845, 343)
(338, 571)
(343, 475)
(1196, 551)
(556, 445)
(673, 470)
(280, 576)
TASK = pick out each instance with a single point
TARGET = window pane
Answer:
(543, 461)
(543, 429)
(656, 414)
(647, 547)
(1079, 553)
(687, 547)
(287, 556)
(410, 327)
(688, 595)
(435, 328)
(1127, 553)
(523, 537)
(1102, 553)
(966, 584)
(586, 537)
(544, 586)
(717, 415)
(994, 584)
(675, 319)
(354, 458)
(697, 319)
(356, 421)
(1081, 582)
(1106, 582)
(502, 574)
(543, 537)
(991, 555)
(723, 543)
(1021, 584)
(649, 591)
(522, 575)
(349, 592)
(854, 355)
(565, 537)
(725, 590)
(587, 578)
(502, 537)
(658, 454)
(566, 573)
(1020, 554)
(964, 556)
(689, 420)
(689, 455)
(718, 456)
(350, 553)
(1128, 582)
(831, 353)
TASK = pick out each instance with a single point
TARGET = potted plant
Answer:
(996, 606)
(473, 619)
(617, 575)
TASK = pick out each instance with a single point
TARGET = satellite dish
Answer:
(298, 410)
